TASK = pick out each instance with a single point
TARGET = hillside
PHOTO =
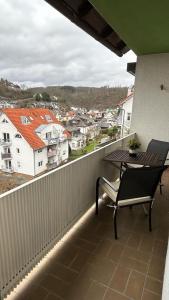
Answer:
(12, 91)
(89, 97)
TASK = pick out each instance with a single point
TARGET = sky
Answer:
(40, 47)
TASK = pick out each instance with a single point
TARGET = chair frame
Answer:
(115, 205)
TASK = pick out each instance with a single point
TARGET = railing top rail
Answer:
(64, 166)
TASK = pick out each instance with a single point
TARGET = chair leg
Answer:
(97, 196)
(150, 209)
(115, 222)
(161, 185)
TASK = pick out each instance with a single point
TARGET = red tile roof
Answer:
(36, 117)
(125, 99)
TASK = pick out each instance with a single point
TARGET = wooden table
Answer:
(142, 158)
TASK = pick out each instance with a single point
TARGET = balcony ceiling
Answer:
(84, 15)
(142, 25)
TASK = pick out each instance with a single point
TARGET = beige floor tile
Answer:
(120, 278)
(133, 264)
(154, 285)
(62, 272)
(135, 285)
(147, 295)
(116, 251)
(138, 255)
(156, 268)
(55, 285)
(95, 292)
(80, 260)
(101, 272)
(113, 295)
(52, 297)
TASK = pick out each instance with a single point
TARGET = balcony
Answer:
(6, 156)
(51, 166)
(52, 141)
(7, 170)
(90, 262)
(51, 153)
(6, 142)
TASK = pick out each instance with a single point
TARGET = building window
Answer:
(128, 116)
(40, 163)
(17, 150)
(48, 135)
(18, 136)
(4, 121)
(48, 118)
(40, 150)
(25, 120)
(18, 164)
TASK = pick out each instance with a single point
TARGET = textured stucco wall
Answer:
(150, 117)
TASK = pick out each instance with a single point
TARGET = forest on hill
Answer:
(88, 97)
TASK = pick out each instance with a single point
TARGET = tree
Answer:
(38, 97)
(46, 97)
(112, 131)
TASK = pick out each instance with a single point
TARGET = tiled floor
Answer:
(93, 266)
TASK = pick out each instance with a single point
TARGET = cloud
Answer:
(40, 46)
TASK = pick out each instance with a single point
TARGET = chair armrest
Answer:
(107, 182)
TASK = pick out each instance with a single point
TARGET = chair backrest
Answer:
(160, 147)
(139, 182)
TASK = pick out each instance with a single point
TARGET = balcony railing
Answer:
(7, 170)
(53, 141)
(6, 155)
(51, 166)
(35, 216)
(6, 142)
(52, 153)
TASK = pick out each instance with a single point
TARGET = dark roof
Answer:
(84, 15)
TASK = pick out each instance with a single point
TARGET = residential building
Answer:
(126, 107)
(77, 140)
(31, 141)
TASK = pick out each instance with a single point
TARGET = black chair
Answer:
(137, 186)
(159, 147)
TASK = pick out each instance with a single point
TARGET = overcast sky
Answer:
(39, 46)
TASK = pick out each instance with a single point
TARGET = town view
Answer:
(44, 128)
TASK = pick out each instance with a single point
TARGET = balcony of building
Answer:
(51, 153)
(6, 156)
(5, 142)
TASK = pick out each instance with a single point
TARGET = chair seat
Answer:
(113, 195)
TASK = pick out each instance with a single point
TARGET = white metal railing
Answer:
(7, 170)
(51, 153)
(5, 142)
(36, 215)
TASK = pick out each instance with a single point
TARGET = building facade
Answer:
(31, 141)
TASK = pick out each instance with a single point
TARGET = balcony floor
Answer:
(93, 266)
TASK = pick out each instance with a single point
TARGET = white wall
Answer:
(150, 118)
(40, 156)
(128, 106)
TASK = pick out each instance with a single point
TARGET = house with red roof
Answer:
(32, 141)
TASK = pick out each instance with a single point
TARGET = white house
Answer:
(126, 106)
(77, 141)
(31, 141)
